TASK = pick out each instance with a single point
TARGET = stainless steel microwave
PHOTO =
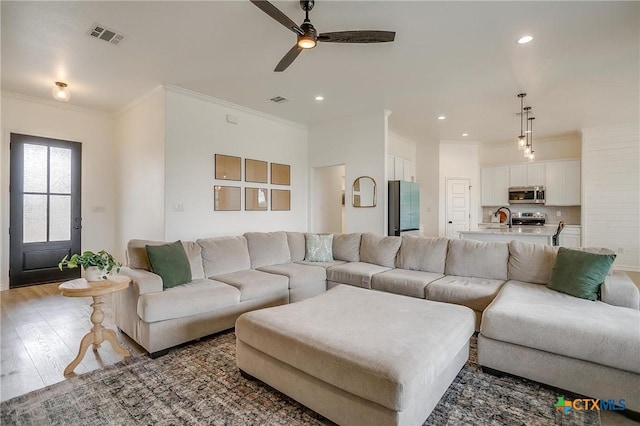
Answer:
(526, 195)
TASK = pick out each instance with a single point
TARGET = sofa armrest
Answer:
(619, 290)
(143, 281)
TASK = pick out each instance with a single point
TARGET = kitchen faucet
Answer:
(509, 217)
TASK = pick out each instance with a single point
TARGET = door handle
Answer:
(450, 222)
(78, 223)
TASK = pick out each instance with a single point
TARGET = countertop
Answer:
(504, 230)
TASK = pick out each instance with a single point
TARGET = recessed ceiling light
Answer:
(465, 134)
(525, 39)
(319, 98)
(442, 117)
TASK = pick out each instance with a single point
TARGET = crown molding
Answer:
(138, 100)
(55, 104)
(227, 104)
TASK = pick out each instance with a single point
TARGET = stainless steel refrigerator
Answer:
(404, 206)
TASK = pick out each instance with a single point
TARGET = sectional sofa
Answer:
(525, 328)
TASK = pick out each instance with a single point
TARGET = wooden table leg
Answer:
(96, 336)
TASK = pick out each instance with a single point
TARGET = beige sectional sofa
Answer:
(525, 328)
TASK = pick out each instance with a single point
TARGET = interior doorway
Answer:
(458, 213)
(328, 199)
(45, 222)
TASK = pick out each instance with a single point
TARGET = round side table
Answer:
(98, 333)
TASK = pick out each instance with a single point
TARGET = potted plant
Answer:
(96, 265)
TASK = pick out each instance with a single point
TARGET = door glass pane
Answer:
(35, 168)
(60, 218)
(60, 170)
(35, 218)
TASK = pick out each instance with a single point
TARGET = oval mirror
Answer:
(364, 192)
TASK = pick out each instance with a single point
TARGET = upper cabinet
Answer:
(563, 183)
(561, 180)
(527, 174)
(398, 168)
(495, 186)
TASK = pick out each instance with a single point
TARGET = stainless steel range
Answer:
(533, 219)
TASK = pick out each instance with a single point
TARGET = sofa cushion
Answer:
(530, 262)
(137, 255)
(423, 253)
(354, 273)
(296, 245)
(299, 275)
(580, 273)
(268, 248)
(534, 316)
(379, 250)
(347, 247)
(475, 293)
(318, 248)
(469, 258)
(193, 298)
(170, 262)
(256, 284)
(224, 255)
(404, 281)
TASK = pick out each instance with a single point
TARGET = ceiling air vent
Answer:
(104, 33)
(279, 99)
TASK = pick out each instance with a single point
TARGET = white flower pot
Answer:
(92, 273)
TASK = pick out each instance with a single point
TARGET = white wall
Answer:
(196, 130)
(402, 147)
(552, 148)
(428, 176)
(94, 130)
(611, 192)
(459, 160)
(327, 199)
(360, 144)
(139, 140)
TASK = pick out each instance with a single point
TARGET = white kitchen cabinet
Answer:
(391, 167)
(570, 236)
(535, 174)
(398, 168)
(563, 183)
(407, 170)
(495, 186)
(527, 174)
(518, 175)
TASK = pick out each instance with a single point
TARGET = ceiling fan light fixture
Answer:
(306, 42)
(61, 92)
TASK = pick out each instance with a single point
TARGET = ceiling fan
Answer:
(308, 36)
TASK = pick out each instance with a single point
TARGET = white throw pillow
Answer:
(318, 248)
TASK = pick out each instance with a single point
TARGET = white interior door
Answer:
(458, 210)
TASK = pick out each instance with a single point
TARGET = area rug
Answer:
(199, 384)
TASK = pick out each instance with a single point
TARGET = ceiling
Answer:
(458, 59)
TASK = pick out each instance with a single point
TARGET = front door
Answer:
(458, 209)
(45, 219)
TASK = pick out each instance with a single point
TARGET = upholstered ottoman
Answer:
(358, 356)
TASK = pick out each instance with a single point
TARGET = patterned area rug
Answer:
(199, 384)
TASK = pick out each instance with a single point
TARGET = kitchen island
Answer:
(532, 234)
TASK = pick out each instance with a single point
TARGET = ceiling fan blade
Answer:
(358, 36)
(276, 14)
(291, 55)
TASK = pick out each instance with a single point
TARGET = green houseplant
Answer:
(96, 265)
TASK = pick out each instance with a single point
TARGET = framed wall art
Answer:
(228, 167)
(280, 174)
(280, 199)
(255, 171)
(226, 198)
(255, 199)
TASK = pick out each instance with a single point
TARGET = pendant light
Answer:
(527, 146)
(522, 141)
(532, 155)
(61, 92)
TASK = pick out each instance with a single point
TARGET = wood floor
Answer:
(41, 333)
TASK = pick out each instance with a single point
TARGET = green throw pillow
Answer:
(580, 273)
(170, 261)
(319, 248)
